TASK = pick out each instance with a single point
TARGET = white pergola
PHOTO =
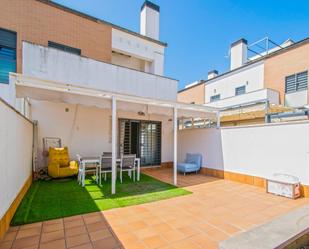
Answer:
(39, 89)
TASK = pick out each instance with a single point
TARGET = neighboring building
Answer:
(277, 77)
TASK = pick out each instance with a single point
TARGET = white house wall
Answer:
(87, 130)
(260, 150)
(16, 134)
(135, 46)
(55, 65)
(251, 76)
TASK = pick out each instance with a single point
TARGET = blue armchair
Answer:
(193, 163)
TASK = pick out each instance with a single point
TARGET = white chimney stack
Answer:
(238, 53)
(212, 74)
(150, 20)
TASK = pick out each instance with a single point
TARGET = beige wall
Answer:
(279, 66)
(16, 139)
(39, 23)
(87, 130)
(194, 94)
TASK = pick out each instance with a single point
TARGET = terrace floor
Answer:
(216, 210)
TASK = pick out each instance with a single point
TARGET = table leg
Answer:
(83, 177)
(138, 169)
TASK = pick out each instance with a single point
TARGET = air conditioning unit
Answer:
(283, 185)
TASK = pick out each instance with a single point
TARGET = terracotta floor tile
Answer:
(135, 245)
(24, 242)
(75, 231)
(74, 223)
(77, 240)
(84, 246)
(23, 233)
(51, 222)
(137, 225)
(185, 244)
(154, 242)
(100, 234)
(107, 243)
(73, 218)
(6, 244)
(52, 227)
(55, 235)
(96, 226)
(173, 235)
(32, 225)
(10, 235)
(56, 244)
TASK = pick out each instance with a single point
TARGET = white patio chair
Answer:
(105, 167)
(127, 164)
(80, 169)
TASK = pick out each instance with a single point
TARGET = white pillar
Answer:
(218, 120)
(114, 129)
(175, 145)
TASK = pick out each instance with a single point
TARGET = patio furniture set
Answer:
(60, 166)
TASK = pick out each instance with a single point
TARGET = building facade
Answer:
(277, 77)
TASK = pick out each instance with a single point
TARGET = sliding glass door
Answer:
(142, 138)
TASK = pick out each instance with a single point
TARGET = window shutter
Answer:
(290, 84)
(240, 90)
(302, 81)
(7, 39)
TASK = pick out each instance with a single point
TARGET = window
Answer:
(7, 54)
(64, 48)
(296, 82)
(215, 98)
(240, 90)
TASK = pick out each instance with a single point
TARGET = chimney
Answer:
(150, 20)
(212, 74)
(238, 53)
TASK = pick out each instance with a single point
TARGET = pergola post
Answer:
(175, 145)
(114, 129)
(218, 120)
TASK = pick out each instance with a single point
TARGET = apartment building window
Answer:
(64, 48)
(7, 54)
(240, 90)
(215, 98)
(296, 82)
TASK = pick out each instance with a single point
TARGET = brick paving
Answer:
(215, 211)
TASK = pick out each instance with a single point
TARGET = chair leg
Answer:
(121, 176)
(105, 176)
(134, 175)
(100, 177)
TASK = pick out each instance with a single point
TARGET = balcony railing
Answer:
(55, 65)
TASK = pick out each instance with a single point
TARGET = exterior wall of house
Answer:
(16, 139)
(279, 66)
(194, 94)
(248, 150)
(87, 130)
(55, 65)
(251, 76)
(139, 48)
(39, 23)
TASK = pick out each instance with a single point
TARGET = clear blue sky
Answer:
(199, 32)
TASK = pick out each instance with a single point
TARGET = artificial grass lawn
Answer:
(47, 200)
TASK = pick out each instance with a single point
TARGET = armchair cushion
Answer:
(59, 164)
(193, 162)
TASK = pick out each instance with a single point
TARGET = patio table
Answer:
(96, 161)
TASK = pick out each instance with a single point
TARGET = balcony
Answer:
(248, 98)
(55, 65)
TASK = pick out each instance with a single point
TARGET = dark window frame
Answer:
(240, 90)
(64, 48)
(216, 97)
(14, 54)
(295, 82)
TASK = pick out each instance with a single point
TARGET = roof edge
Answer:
(94, 19)
(282, 50)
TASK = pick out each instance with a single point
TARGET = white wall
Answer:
(150, 23)
(296, 99)
(15, 153)
(260, 150)
(55, 65)
(271, 95)
(143, 49)
(252, 76)
(87, 130)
